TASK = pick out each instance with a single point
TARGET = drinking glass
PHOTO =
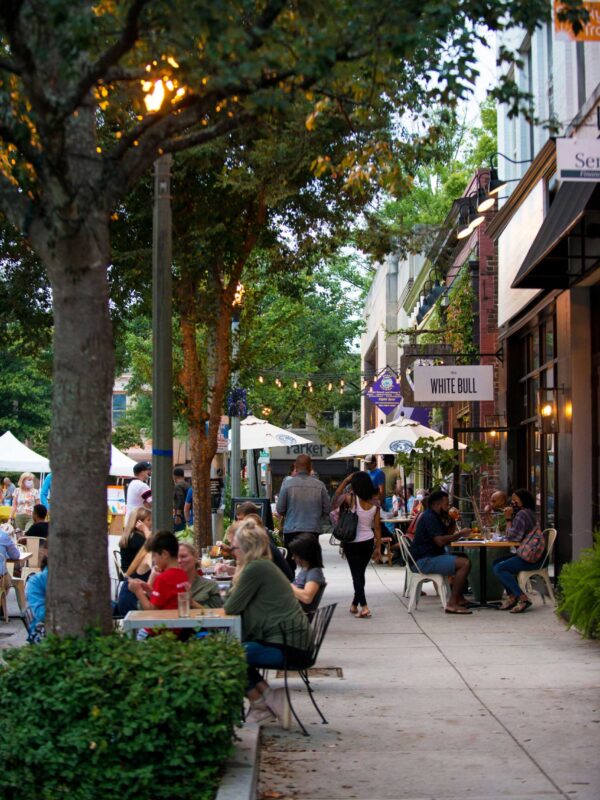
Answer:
(183, 603)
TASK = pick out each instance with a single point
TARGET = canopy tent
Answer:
(17, 457)
(258, 434)
(394, 437)
(121, 466)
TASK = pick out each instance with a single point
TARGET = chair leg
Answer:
(304, 675)
(548, 582)
(415, 593)
(289, 700)
(3, 605)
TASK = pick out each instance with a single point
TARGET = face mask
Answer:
(514, 506)
(419, 497)
(27, 484)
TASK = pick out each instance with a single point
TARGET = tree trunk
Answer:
(78, 581)
(201, 463)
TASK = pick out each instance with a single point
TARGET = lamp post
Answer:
(162, 368)
(234, 412)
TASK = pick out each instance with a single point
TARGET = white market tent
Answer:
(17, 457)
(121, 466)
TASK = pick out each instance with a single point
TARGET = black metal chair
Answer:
(307, 656)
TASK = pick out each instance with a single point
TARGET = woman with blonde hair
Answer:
(136, 561)
(274, 627)
(25, 497)
(204, 593)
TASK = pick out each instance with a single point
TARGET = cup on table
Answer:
(183, 603)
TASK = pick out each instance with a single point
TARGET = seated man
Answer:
(40, 524)
(170, 578)
(428, 549)
(495, 510)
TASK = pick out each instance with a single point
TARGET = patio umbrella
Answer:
(258, 434)
(394, 437)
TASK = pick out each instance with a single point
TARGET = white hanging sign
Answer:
(578, 159)
(453, 384)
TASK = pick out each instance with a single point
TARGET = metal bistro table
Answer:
(483, 546)
(199, 618)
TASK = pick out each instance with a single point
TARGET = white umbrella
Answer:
(258, 434)
(17, 457)
(120, 464)
(394, 437)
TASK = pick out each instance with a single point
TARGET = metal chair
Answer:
(307, 656)
(417, 578)
(3, 588)
(524, 578)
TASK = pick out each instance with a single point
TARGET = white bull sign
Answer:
(453, 384)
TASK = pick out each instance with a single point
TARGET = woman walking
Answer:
(25, 497)
(367, 543)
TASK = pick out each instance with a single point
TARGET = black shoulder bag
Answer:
(345, 530)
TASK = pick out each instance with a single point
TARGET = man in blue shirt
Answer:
(377, 476)
(435, 530)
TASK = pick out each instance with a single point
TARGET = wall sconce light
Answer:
(468, 217)
(548, 408)
(495, 428)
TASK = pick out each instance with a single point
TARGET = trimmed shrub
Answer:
(579, 591)
(107, 717)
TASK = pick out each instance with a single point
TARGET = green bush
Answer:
(108, 717)
(579, 591)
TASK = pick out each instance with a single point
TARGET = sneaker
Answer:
(260, 713)
(277, 701)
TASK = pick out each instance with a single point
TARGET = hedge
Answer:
(109, 717)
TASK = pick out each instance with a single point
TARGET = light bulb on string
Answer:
(342, 382)
(329, 386)
(310, 388)
(261, 379)
(342, 390)
(295, 384)
(309, 384)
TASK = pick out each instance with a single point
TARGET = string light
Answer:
(295, 384)
(310, 389)
(239, 294)
(342, 390)
(309, 384)
(329, 386)
(342, 382)
(261, 379)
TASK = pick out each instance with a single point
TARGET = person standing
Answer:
(367, 542)
(139, 494)
(46, 491)
(9, 490)
(377, 477)
(24, 499)
(302, 502)
(180, 491)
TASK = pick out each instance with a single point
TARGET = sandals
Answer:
(521, 606)
(509, 603)
(364, 614)
(353, 610)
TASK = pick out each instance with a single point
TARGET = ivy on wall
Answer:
(457, 329)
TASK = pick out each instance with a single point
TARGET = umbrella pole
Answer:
(405, 491)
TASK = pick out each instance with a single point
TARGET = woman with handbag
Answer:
(522, 527)
(366, 544)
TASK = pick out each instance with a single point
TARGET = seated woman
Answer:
(136, 561)
(520, 523)
(306, 552)
(204, 593)
(35, 592)
(273, 623)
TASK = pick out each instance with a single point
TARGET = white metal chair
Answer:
(416, 578)
(524, 578)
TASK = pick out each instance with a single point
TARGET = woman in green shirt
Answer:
(273, 623)
(203, 592)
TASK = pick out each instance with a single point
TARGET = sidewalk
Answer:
(488, 706)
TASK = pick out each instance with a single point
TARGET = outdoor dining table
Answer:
(483, 546)
(198, 618)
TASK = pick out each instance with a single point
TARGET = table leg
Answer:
(483, 576)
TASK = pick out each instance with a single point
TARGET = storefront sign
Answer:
(578, 159)
(590, 32)
(454, 384)
(385, 392)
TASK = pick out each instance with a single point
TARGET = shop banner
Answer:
(578, 159)
(385, 392)
(590, 32)
(454, 384)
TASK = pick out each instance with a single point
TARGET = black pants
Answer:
(358, 555)
(289, 537)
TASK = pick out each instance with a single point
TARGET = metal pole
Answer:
(162, 368)
(235, 420)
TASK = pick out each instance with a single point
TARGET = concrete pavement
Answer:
(486, 706)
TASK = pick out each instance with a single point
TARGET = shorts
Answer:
(442, 565)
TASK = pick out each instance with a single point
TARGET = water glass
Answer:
(183, 603)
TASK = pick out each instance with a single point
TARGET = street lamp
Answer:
(235, 418)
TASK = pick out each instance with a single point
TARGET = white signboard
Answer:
(578, 159)
(453, 384)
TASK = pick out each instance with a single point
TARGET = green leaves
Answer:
(104, 717)
(579, 591)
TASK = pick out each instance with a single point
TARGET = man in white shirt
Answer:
(139, 493)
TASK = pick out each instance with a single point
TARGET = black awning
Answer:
(546, 265)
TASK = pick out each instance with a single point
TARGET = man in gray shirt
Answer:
(303, 502)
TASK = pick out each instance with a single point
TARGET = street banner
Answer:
(578, 159)
(590, 32)
(385, 392)
(453, 384)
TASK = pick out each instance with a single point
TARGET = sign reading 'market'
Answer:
(450, 384)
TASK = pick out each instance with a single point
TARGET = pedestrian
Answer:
(367, 542)
(377, 477)
(46, 491)
(180, 491)
(139, 494)
(9, 490)
(302, 502)
(24, 498)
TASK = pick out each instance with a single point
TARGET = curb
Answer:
(241, 771)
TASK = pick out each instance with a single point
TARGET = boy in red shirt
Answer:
(170, 578)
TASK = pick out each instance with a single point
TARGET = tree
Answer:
(76, 136)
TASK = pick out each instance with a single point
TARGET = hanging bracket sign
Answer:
(453, 384)
(385, 392)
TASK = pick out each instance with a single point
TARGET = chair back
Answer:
(320, 623)
(307, 639)
(33, 544)
(549, 535)
(316, 602)
(411, 564)
(117, 561)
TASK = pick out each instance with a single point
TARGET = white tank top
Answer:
(364, 530)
